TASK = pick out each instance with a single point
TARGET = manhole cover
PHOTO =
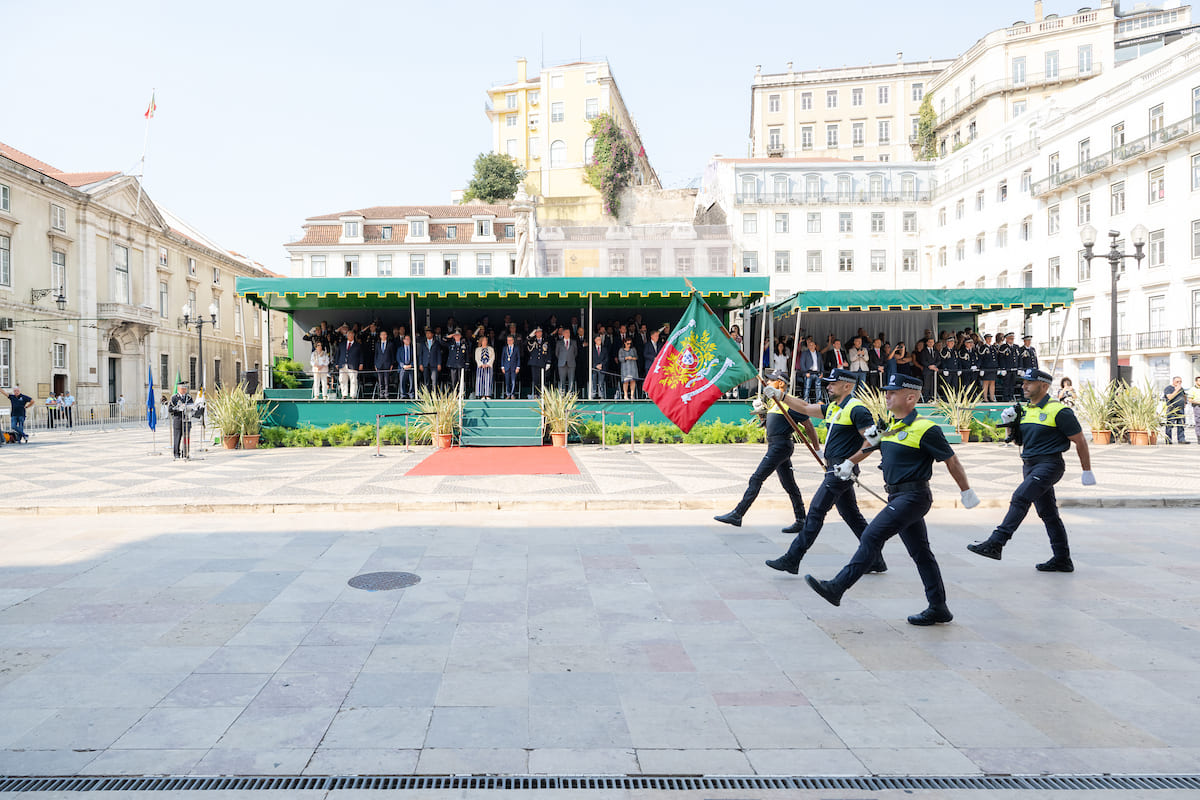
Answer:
(382, 581)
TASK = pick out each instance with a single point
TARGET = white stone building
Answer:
(824, 223)
(93, 276)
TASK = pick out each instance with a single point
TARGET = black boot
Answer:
(732, 518)
(825, 589)
(1057, 564)
(879, 566)
(796, 526)
(988, 548)
(931, 616)
(784, 564)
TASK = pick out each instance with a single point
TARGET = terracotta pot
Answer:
(1102, 437)
(1141, 438)
(965, 434)
(442, 441)
(250, 441)
(230, 442)
(558, 439)
(1153, 437)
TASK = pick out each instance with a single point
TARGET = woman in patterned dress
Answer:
(485, 357)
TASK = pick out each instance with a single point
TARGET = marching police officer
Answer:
(1046, 430)
(849, 423)
(778, 458)
(1009, 358)
(908, 449)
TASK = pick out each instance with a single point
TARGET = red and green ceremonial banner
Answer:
(697, 364)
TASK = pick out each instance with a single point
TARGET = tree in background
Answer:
(496, 178)
(926, 133)
(612, 164)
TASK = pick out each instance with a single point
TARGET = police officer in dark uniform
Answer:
(1009, 358)
(539, 361)
(908, 449)
(989, 365)
(968, 360)
(951, 366)
(456, 358)
(849, 424)
(1029, 358)
(1046, 430)
(778, 458)
(181, 407)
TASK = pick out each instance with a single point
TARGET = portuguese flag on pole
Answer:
(697, 364)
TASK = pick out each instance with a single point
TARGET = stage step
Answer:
(501, 423)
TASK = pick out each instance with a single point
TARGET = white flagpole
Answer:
(145, 144)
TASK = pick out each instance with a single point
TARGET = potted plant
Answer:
(225, 412)
(1138, 413)
(255, 412)
(438, 410)
(958, 407)
(1098, 406)
(558, 409)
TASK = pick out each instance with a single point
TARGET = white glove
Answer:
(1003, 372)
(844, 471)
(758, 407)
(1008, 416)
(771, 393)
(970, 499)
(872, 436)
(1089, 478)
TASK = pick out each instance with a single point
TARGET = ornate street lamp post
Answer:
(1087, 235)
(199, 322)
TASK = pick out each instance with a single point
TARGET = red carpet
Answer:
(498, 461)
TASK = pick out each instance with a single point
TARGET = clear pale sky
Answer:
(269, 113)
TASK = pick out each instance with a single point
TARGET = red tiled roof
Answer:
(77, 179)
(74, 179)
(435, 212)
(372, 234)
(790, 160)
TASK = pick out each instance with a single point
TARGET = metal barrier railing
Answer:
(604, 413)
(91, 416)
(406, 415)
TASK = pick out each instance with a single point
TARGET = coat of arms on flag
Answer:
(698, 363)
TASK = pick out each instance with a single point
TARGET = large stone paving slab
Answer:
(605, 642)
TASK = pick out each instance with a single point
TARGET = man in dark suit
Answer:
(510, 365)
(566, 353)
(404, 360)
(929, 359)
(385, 363)
(599, 357)
(835, 356)
(349, 363)
(810, 366)
(876, 363)
(429, 360)
(650, 352)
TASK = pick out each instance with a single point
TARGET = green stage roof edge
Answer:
(1035, 299)
(292, 294)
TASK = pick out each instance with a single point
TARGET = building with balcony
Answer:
(822, 223)
(93, 277)
(851, 113)
(1114, 152)
(544, 123)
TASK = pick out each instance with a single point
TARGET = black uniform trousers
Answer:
(831, 493)
(178, 426)
(778, 459)
(929, 380)
(1037, 489)
(904, 514)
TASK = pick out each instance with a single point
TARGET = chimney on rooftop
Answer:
(899, 56)
(521, 71)
(1037, 11)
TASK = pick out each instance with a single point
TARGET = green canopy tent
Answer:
(310, 300)
(909, 311)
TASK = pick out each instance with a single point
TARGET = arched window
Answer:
(779, 185)
(558, 153)
(589, 149)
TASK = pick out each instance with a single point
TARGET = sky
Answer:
(269, 113)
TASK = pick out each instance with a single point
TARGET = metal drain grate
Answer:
(666, 783)
(384, 581)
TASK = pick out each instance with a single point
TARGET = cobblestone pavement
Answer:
(540, 643)
(115, 472)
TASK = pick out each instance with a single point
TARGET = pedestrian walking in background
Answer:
(1175, 396)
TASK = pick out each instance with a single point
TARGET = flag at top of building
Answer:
(150, 109)
(698, 364)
